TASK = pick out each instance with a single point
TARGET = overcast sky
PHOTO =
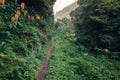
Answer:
(60, 4)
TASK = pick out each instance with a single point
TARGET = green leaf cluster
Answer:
(22, 44)
(97, 23)
(68, 63)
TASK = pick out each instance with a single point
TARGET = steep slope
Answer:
(24, 37)
(66, 11)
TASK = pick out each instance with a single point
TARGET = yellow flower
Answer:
(72, 34)
(32, 17)
(16, 17)
(106, 50)
(37, 16)
(2, 1)
(12, 19)
(22, 5)
(28, 17)
(18, 12)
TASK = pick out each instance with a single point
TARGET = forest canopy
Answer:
(97, 23)
(43, 7)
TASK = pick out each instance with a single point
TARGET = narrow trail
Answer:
(43, 71)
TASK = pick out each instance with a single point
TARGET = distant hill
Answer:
(66, 11)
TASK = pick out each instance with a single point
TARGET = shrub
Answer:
(97, 23)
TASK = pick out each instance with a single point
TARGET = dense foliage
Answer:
(44, 7)
(25, 33)
(23, 36)
(97, 23)
(68, 63)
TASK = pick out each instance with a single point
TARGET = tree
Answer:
(97, 23)
(43, 7)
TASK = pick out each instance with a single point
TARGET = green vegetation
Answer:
(68, 63)
(97, 29)
(23, 41)
(90, 52)
(97, 24)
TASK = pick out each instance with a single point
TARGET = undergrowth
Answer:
(69, 63)
(22, 42)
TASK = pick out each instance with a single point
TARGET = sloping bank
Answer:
(67, 63)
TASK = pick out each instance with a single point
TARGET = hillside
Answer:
(66, 11)
(23, 41)
(34, 47)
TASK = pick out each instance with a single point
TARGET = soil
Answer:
(43, 71)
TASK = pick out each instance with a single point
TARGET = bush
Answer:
(97, 23)
(21, 41)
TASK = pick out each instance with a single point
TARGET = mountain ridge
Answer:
(66, 11)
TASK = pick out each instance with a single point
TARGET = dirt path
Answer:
(43, 71)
